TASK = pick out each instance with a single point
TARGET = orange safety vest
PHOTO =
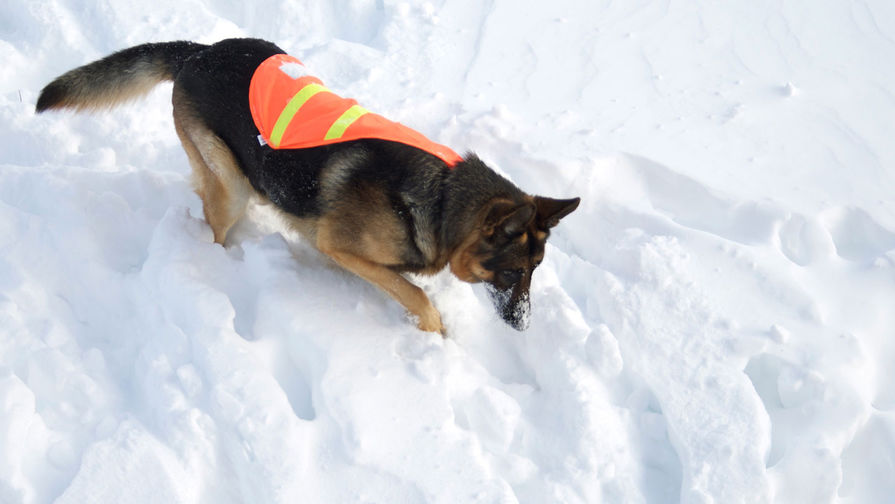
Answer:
(293, 110)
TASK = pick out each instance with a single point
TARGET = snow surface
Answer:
(713, 324)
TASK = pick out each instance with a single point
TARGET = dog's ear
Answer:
(508, 218)
(550, 210)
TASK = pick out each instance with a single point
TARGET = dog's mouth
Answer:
(512, 304)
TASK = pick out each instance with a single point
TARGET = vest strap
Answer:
(292, 108)
(344, 121)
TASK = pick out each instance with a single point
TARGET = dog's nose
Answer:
(517, 314)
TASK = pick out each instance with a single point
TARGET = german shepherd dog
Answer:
(378, 208)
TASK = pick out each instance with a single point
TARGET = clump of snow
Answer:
(294, 70)
(713, 324)
(779, 334)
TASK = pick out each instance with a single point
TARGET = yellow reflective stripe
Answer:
(303, 95)
(344, 121)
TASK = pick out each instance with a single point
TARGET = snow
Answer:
(713, 324)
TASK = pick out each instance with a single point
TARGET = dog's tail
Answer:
(117, 78)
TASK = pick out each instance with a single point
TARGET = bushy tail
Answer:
(117, 78)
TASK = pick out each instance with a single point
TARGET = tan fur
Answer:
(362, 223)
(465, 265)
(305, 226)
(410, 296)
(217, 179)
(85, 97)
(481, 274)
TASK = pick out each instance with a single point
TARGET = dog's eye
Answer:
(510, 276)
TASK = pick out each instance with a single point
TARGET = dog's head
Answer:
(507, 248)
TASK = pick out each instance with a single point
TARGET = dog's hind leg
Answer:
(217, 179)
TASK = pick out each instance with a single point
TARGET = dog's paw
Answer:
(430, 321)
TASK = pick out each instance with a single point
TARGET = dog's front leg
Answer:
(410, 296)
